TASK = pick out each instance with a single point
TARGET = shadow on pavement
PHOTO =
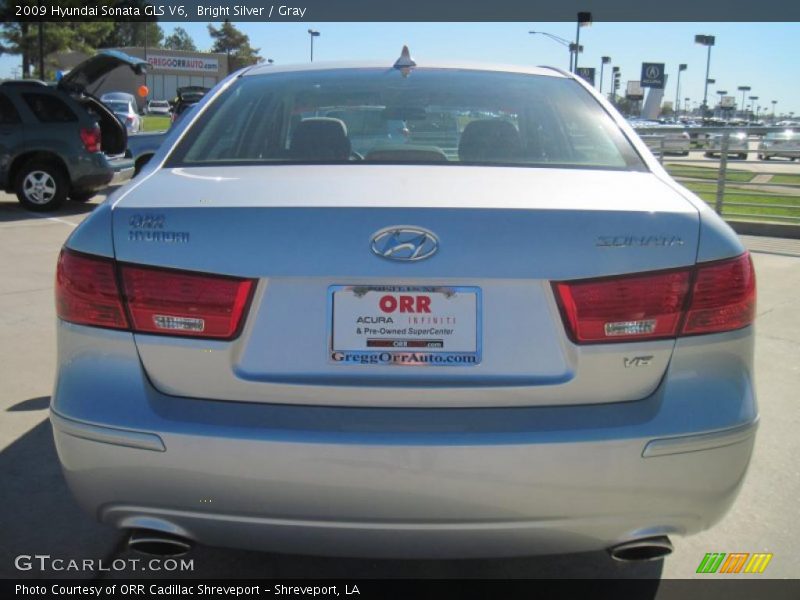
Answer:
(39, 516)
(11, 210)
(33, 404)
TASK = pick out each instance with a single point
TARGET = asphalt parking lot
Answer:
(38, 515)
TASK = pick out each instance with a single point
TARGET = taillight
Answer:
(158, 301)
(624, 308)
(709, 298)
(91, 138)
(723, 296)
(180, 303)
(87, 292)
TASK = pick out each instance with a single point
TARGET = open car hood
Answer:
(97, 66)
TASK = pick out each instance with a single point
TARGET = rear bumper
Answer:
(399, 482)
(102, 171)
(123, 169)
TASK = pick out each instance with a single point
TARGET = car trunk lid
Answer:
(504, 234)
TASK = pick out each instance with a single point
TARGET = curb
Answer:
(781, 230)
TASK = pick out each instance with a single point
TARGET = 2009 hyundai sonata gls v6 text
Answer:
(502, 331)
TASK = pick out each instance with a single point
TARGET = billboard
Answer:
(634, 90)
(165, 62)
(587, 73)
(653, 75)
(727, 102)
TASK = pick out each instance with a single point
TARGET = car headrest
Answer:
(320, 138)
(489, 140)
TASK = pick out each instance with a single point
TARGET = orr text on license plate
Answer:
(405, 325)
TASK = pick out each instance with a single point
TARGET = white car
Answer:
(539, 343)
(126, 113)
(158, 107)
(672, 142)
(737, 144)
(783, 144)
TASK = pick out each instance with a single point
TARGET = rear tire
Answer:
(41, 185)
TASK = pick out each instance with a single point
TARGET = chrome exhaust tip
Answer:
(653, 548)
(155, 543)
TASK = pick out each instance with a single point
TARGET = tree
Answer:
(23, 39)
(180, 40)
(236, 44)
(133, 33)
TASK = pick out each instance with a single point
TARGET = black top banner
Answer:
(400, 10)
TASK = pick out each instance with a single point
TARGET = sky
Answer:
(761, 55)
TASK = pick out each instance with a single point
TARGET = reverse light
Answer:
(614, 309)
(709, 298)
(97, 291)
(172, 302)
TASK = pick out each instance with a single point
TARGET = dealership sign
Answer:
(183, 63)
(653, 75)
(587, 73)
(634, 90)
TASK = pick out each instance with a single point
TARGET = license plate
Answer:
(399, 325)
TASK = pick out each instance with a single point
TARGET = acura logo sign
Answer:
(404, 243)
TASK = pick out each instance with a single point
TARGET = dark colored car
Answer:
(60, 141)
(187, 97)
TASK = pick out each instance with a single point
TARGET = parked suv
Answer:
(60, 141)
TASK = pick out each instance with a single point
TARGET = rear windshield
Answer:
(117, 106)
(441, 116)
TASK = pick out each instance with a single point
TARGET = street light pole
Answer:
(774, 102)
(312, 34)
(681, 67)
(752, 104)
(743, 89)
(584, 20)
(708, 41)
(560, 40)
(604, 60)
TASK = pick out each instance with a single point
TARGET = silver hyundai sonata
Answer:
(504, 332)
